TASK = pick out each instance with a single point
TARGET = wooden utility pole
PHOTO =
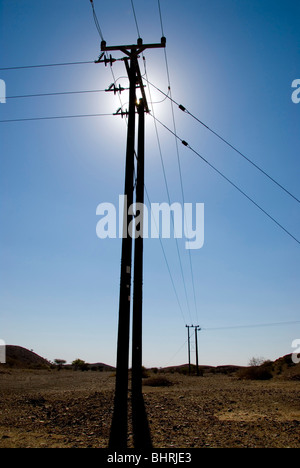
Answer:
(189, 346)
(118, 436)
(141, 432)
(197, 328)
(119, 428)
(137, 324)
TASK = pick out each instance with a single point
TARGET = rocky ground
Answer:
(50, 408)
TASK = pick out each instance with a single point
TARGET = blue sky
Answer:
(231, 64)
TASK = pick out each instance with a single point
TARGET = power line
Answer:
(167, 263)
(230, 181)
(178, 158)
(55, 117)
(257, 325)
(231, 328)
(165, 178)
(135, 18)
(96, 21)
(169, 199)
(160, 16)
(63, 93)
(160, 102)
(177, 352)
(182, 108)
(46, 65)
(146, 191)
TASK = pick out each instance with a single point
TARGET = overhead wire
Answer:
(178, 158)
(25, 67)
(182, 108)
(96, 21)
(161, 21)
(169, 200)
(256, 325)
(228, 180)
(177, 352)
(135, 18)
(100, 115)
(182, 141)
(166, 261)
(121, 104)
(63, 93)
(102, 39)
(233, 327)
(160, 102)
(166, 185)
(27, 119)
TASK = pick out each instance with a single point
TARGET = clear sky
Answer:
(231, 64)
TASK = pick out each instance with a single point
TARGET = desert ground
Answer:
(73, 409)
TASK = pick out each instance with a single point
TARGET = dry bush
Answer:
(262, 372)
(158, 382)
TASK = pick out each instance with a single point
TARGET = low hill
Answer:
(285, 367)
(22, 358)
(102, 367)
(184, 369)
(282, 368)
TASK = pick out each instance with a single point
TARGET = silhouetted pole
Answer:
(119, 428)
(189, 348)
(118, 436)
(138, 262)
(197, 328)
(141, 431)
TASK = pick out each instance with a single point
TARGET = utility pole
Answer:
(197, 328)
(189, 346)
(141, 432)
(137, 324)
(119, 428)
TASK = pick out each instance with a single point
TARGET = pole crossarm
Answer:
(134, 49)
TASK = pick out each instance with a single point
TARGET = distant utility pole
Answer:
(189, 346)
(197, 328)
(119, 429)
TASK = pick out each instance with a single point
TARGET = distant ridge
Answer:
(101, 366)
(22, 358)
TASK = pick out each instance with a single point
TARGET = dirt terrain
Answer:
(50, 408)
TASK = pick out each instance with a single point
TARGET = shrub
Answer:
(78, 364)
(59, 363)
(262, 372)
(145, 373)
(158, 382)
